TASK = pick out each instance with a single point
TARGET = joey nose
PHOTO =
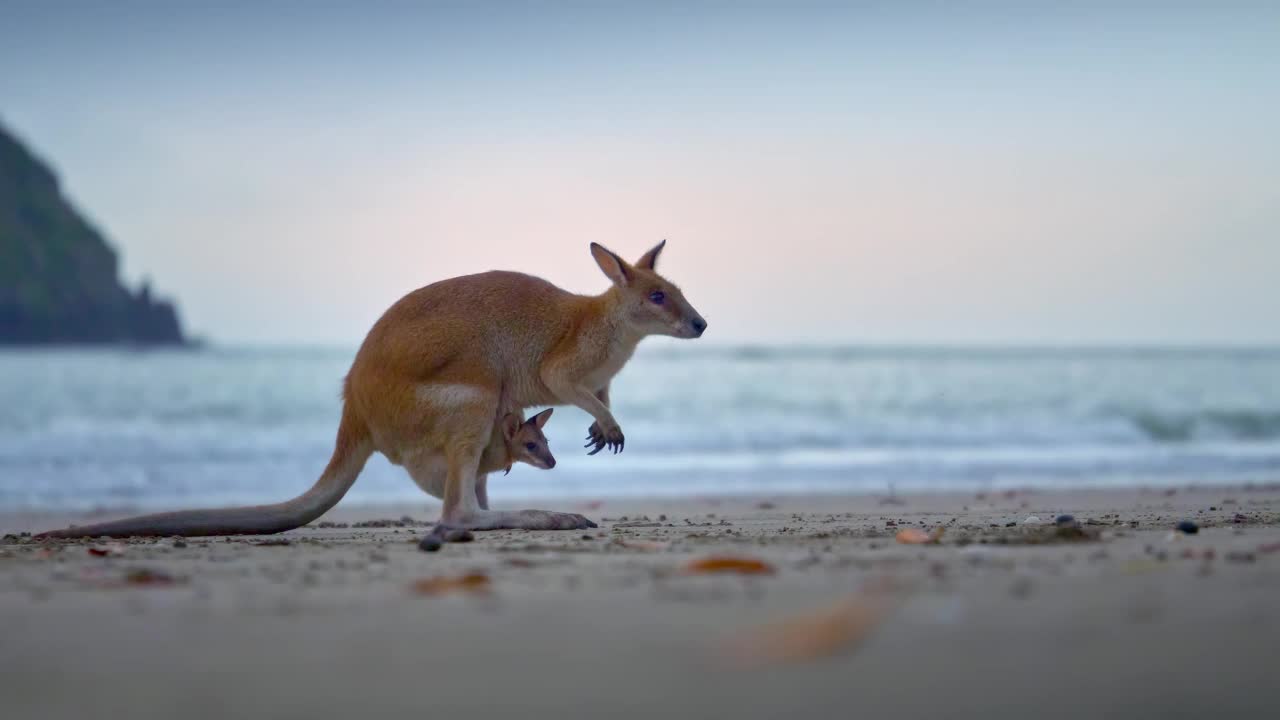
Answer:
(699, 326)
(551, 462)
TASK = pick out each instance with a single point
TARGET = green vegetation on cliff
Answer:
(59, 280)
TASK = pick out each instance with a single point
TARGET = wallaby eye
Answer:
(530, 446)
(657, 296)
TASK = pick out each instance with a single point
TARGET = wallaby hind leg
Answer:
(463, 510)
(482, 491)
(430, 475)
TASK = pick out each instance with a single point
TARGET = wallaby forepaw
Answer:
(601, 439)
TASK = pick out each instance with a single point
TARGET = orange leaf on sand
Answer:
(741, 566)
(149, 577)
(476, 582)
(916, 536)
(818, 634)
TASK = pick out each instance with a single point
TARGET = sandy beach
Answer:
(818, 608)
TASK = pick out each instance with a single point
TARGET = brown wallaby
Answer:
(435, 370)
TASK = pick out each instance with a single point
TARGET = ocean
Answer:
(123, 429)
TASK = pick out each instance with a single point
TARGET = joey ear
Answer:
(541, 418)
(650, 259)
(614, 267)
(510, 425)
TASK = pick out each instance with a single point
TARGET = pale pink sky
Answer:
(821, 175)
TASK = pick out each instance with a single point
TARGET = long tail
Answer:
(351, 451)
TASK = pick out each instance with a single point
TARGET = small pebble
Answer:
(1031, 520)
(1188, 527)
(430, 543)
(1065, 521)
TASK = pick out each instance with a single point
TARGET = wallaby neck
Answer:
(604, 315)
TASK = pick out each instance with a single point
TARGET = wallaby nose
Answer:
(551, 462)
(699, 325)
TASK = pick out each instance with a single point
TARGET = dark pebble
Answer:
(1188, 527)
(430, 543)
(1065, 521)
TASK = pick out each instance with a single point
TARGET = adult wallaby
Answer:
(427, 383)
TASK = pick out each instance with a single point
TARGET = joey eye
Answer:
(530, 446)
(658, 297)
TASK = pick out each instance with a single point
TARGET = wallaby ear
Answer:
(614, 267)
(510, 425)
(541, 418)
(650, 259)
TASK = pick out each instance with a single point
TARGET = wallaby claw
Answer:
(600, 440)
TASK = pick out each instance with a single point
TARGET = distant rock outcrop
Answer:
(59, 280)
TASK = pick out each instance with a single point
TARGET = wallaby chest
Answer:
(600, 374)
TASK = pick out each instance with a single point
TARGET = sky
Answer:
(888, 173)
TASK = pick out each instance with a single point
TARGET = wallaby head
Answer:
(649, 303)
(525, 441)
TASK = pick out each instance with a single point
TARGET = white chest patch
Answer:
(447, 395)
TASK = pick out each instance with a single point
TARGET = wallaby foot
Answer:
(440, 535)
(516, 520)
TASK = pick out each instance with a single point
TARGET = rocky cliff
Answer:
(59, 280)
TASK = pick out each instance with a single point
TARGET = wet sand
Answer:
(1118, 616)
